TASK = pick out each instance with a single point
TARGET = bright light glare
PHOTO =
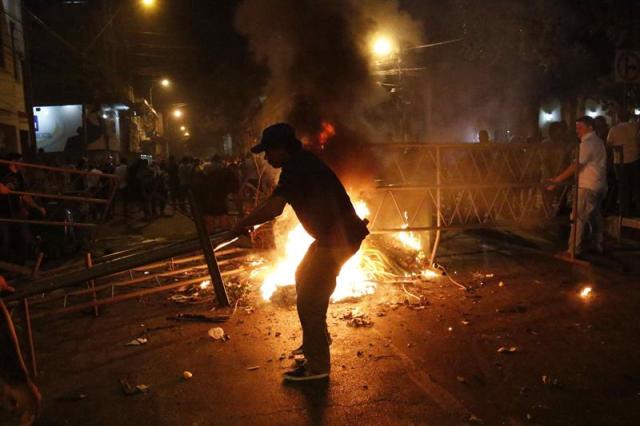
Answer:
(382, 46)
(187, 134)
(165, 82)
(177, 113)
(148, 3)
(586, 292)
(636, 111)
(183, 128)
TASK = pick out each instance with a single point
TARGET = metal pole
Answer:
(574, 222)
(47, 284)
(32, 347)
(207, 250)
(116, 299)
(436, 243)
(91, 283)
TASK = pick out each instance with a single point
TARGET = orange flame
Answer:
(357, 277)
(328, 130)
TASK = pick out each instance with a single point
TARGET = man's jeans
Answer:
(315, 282)
(589, 211)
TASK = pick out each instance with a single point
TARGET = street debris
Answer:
(501, 284)
(253, 368)
(217, 333)
(187, 375)
(137, 342)
(551, 382)
(284, 296)
(199, 318)
(356, 318)
(475, 420)
(515, 309)
(507, 349)
(184, 298)
(72, 397)
(130, 389)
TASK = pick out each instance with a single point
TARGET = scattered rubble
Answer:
(187, 375)
(507, 349)
(515, 309)
(130, 389)
(253, 368)
(217, 333)
(357, 318)
(199, 318)
(551, 382)
(137, 342)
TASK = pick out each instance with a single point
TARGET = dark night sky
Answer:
(526, 49)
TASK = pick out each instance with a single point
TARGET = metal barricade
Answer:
(438, 187)
(68, 190)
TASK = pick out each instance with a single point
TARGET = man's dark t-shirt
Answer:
(320, 201)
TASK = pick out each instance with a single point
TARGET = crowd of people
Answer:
(144, 191)
(217, 184)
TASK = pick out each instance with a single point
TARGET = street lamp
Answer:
(187, 134)
(177, 113)
(148, 3)
(183, 128)
(382, 46)
(165, 82)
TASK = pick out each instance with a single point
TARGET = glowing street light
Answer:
(165, 82)
(183, 128)
(148, 3)
(187, 134)
(382, 46)
(177, 113)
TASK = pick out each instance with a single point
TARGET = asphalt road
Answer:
(566, 360)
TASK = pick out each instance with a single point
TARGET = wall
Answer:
(13, 117)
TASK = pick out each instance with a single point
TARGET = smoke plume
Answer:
(317, 54)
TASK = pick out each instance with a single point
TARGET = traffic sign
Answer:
(627, 66)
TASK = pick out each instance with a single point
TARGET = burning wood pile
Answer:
(396, 258)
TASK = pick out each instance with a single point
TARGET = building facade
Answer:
(14, 120)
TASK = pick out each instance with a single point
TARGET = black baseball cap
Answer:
(277, 136)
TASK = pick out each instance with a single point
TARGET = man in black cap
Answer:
(326, 213)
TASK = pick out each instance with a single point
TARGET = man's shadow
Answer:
(316, 398)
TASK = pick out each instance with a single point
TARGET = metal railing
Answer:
(88, 205)
(440, 187)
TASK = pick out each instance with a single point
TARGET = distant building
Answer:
(14, 120)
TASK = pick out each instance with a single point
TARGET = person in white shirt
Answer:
(122, 195)
(625, 135)
(592, 185)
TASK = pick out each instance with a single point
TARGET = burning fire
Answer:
(586, 292)
(357, 277)
(408, 239)
(354, 280)
(328, 130)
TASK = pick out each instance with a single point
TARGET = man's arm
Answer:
(269, 210)
(566, 174)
